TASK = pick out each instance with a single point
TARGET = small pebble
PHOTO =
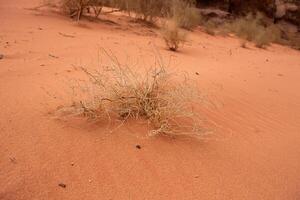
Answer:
(62, 185)
(1, 56)
(138, 146)
(13, 159)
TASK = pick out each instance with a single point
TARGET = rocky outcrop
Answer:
(283, 8)
(211, 12)
(287, 11)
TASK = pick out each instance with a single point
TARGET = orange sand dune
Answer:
(254, 153)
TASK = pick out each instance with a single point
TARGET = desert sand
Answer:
(254, 152)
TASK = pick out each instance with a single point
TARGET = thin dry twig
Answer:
(66, 35)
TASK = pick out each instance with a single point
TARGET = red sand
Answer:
(255, 153)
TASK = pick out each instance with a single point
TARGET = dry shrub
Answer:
(291, 39)
(97, 6)
(253, 28)
(295, 41)
(146, 10)
(173, 35)
(75, 8)
(163, 99)
(262, 31)
(184, 13)
(209, 27)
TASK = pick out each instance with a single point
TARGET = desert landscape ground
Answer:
(253, 152)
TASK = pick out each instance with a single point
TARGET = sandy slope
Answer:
(255, 153)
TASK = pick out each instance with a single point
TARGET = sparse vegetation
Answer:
(173, 35)
(252, 28)
(294, 41)
(255, 28)
(163, 99)
(146, 10)
(75, 8)
(184, 13)
(209, 28)
(97, 6)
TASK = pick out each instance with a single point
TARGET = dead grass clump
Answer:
(173, 35)
(161, 98)
(253, 28)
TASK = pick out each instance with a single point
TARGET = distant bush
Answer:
(173, 35)
(149, 9)
(97, 6)
(75, 8)
(293, 40)
(184, 13)
(146, 10)
(252, 28)
(209, 27)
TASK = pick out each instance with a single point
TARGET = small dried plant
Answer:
(173, 35)
(163, 99)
